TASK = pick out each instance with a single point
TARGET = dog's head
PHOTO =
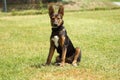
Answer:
(56, 19)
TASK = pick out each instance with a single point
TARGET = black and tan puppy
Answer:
(60, 41)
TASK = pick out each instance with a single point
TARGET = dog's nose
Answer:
(55, 23)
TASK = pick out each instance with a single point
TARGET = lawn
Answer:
(24, 45)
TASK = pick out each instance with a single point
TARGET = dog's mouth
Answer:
(55, 26)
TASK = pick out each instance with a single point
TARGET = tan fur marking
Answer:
(51, 52)
(77, 53)
(64, 50)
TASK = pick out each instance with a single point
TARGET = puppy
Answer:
(60, 41)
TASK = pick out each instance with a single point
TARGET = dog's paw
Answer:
(45, 64)
(59, 64)
(62, 64)
(74, 64)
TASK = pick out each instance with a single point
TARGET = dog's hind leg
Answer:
(77, 56)
(58, 59)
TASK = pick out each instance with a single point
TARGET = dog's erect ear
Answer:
(61, 10)
(51, 10)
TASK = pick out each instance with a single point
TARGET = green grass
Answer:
(24, 45)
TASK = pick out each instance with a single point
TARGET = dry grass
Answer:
(74, 74)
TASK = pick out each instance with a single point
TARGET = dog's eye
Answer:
(53, 17)
(58, 18)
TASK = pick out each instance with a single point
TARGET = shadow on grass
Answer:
(43, 65)
(52, 64)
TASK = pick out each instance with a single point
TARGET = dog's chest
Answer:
(55, 39)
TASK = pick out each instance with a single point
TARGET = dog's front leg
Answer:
(51, 52)
(64, 50)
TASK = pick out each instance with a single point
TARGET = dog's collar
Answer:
(54, 27)
(58, 28)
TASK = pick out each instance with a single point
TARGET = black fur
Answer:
(60, 31)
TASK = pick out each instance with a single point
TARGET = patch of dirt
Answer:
(88, 5)
(74, 74)
(116, 3)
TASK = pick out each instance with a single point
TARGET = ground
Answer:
(24, 46)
